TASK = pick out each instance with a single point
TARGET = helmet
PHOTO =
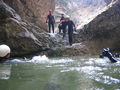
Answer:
(67, 16)
(4, 50)
(50, 10)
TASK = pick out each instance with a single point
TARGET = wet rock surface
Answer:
(74, 50)
(62, 47)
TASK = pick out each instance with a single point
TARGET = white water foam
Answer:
(52, 34)
(44, 59)
(41, 60)
(110, 80)
(86, 69)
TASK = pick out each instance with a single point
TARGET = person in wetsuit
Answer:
(51, 21)
(71, 28)
(107, 53)
(64, 24)
(60, 25)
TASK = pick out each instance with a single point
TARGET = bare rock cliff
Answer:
(33, 11)
(104, 30)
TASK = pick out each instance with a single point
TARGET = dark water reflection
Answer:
(69, 73)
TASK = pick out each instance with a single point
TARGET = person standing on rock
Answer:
(51, 21)
(64, 25)
(71, 28)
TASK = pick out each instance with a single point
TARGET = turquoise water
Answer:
(66, 73)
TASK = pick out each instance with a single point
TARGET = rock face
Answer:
(22, 36)
(104, 30)
(33, 11)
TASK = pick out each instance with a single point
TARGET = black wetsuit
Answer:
(70, 31)
(107, 53)
(62, 18)
(51, 22)
(64, 24)
(60, 25)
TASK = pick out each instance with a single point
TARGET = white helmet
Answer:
(66, 16)
(4, 50)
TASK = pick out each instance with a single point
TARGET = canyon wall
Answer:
(103, 31)
(33, 11)
(21, 28)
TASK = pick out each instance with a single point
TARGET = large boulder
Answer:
(23, 37)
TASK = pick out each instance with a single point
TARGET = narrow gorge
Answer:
(23, 26)
(39, 60)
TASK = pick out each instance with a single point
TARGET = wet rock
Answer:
(77, 49)
(61, 47)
